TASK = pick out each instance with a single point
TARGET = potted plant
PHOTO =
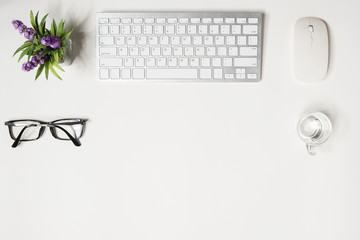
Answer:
(44, 48)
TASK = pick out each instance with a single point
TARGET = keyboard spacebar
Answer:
(168, 73)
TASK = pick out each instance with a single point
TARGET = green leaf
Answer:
(53, 72)
(42, 25)
(39, 71)
(58, 66)
(25, 51)
(53, 28)
(36, 20)
(60, 28)
(65, 35)
(25, 45)
(32, 20)
(47, 64)
(39, 47)
(31, 52)
(56, 57)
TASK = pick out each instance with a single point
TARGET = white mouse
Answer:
(311, 50)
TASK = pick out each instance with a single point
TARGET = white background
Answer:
(183, 160)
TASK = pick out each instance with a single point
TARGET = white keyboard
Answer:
(179, 46)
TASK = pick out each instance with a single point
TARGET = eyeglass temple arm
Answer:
(17, 140)
(75, 141)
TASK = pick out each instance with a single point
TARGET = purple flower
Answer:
(46, 41)
(29, 34)
(55, 43)
(34, 61)
(22, 28)
(16, 23)
(51, 41)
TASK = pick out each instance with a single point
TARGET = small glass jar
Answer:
(68, 53)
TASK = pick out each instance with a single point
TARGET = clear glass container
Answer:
(314, 128)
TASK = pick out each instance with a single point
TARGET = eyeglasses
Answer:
(62, 129)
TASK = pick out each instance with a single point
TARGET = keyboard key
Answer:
(106, 41)
(141, 40)
(227, 62)
(104, 30)
(207, 20)
(114, 30)
(219, 40)
(251, 76)
(180, 29)
(149, 20)
(159, 29)
(230, 40)
(110, 62)
(123, 51)
(170, 29)
(236, 29)
(104, 73)
(138, 20)
(114, 20)
(241, 40)
(218, 73)
(115, 73)
(161, 62)
(138, 73)
(161, 20)
(252, 20)
(241, 20)
(245, 62)
(218, 20)
(172, 62)
(194, 62)
(205, 62)
(225, 29)
(120, 40)
(128, 62)
(205, 73)
(229, 76)
(221, 51)
(136, 30)
(253, 40)
(203, 29)
(144, 51)
(229, 20)
(250, 29)
(172, 20)
(248, 51)
(208, 40)
(184, 62)
(150, 62)
(148, 30)
(139, 62)
(197, 40)
(214, 29)
(184, 20)
(168, 73)
(107, 51)
(126, 20)
(233, 51)
(195, 20)
(125, 29)
(103, 20)
(125, 73)
(240, 75)
(216, 62)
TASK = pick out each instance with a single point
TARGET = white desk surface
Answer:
(183, 160)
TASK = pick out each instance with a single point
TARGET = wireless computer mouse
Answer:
(311, 49)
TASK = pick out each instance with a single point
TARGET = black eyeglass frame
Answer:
(52, 126)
